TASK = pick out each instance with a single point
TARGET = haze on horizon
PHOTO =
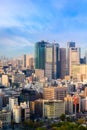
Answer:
(24, 22)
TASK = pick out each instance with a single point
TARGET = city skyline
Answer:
(23, 23)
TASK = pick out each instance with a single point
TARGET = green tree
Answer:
(82, 128)
(41, 128)
(81, 121)
(63, 117)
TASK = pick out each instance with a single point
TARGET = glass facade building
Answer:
(40, 54)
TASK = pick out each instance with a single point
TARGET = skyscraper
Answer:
(62, 62)
(69, 45)
(73, 56)
(40, 54)
(52, 65)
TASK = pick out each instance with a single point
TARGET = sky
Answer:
(24, 22)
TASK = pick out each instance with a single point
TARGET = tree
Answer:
(62, 117)
(82, 128)
(81, 121)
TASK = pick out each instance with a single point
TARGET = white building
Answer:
(5, 80)
(53, 108)
(12, 102)
(17, 114)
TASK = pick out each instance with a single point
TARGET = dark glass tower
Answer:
(40, 55)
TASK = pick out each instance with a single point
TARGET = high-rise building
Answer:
(28, 61)
(73, 56)
(52, 64)
(40, 54)
(62, 62)
(69, 45)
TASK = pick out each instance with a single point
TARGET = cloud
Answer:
(24, 22)
(16, 42)
(11, 9)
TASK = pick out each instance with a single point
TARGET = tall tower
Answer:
(40, 55)
(52, 65)
(62, 62)
(73, 56)
(69, 45)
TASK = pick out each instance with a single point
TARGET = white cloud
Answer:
(16, 42)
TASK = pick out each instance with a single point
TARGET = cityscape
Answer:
(43, 87)
(43, 65)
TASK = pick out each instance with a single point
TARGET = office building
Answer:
(79, 72)
(40, 54)
(12, 102)
(53, 108)
(48, 108)
(18, 78)
(39, 73)
(17, 114)
(52, 64)
(62, 62)
(68, 104)
(84, 104)
(5, 80)
(5, 117)
(73, 56)
(55, 93)
(25, 111)
(28, 61)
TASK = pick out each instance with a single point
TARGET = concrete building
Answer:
(5, 117)
(79, 71)
(68, 104)
(28, 94)
(1, 100)
(28, 61)
(84, 104)
(55, 93)
(12, 102)
(73, 56)
(48, 108)
(53, 108)
(5, 80)
(17, 114)
(1, 68)
(39, 73)
(18, 78)
(25, 111)
(62, 62)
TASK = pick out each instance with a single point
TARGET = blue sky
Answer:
(24, 22)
